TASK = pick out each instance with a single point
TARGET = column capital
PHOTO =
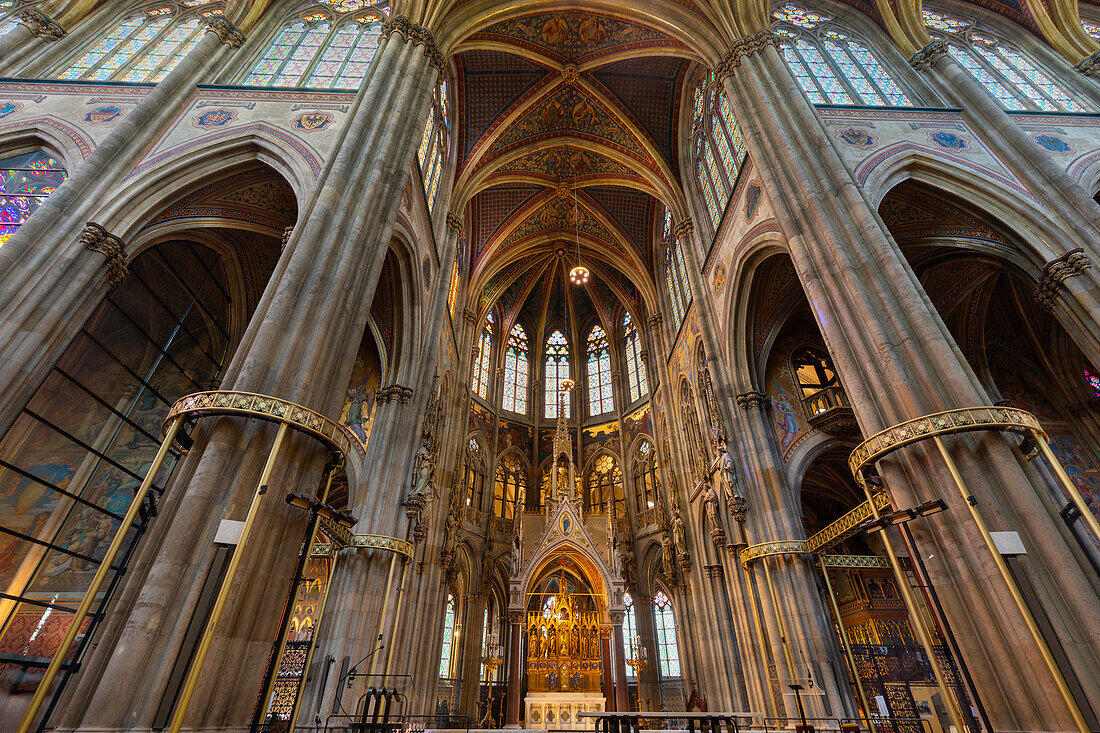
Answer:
(97, 239)
(40, 24)
(616, 617)
(684, 228)
(469, 316)
(743, 47)
(454, 222)
(418, 35)
(1090, 66)
(225, 31)
(1056, 272)
(749, 400)
(515, 617)
(644, 354)
(286, 236)
(394, 393)
(927, 57)
(655, 321)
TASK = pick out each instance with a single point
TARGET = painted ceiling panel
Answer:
(629, 209)
(566, 162)
(492, 81)
(647, 87)
(495, 206)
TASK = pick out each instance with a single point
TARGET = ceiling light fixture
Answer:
(579, 274)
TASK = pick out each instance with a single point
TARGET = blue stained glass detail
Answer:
(169, 50)
(735, 131)
(708, 193)
(802, 75)
(26, 181)
(600, 399)
(885, 83)
(635, 367)
(481, 366)
(557, 371)
(449, 617)
(724, 152)
(96, 53)
(1028, 69)
(281, 48)
(1018, 81)
(1006, 98)
(515, 371)
(666, 635)
(1093, 381)
(823, 74)
(854, 75)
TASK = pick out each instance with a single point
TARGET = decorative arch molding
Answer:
(1085, 170)
(58, 137)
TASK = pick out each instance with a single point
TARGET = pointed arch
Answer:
(556, 372)
(600, 395)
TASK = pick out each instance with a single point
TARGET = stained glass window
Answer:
(515, 371)
(679, 295)
(433, 144)
(708, 195)
(481, 366)
(798, 16)
(1093, 381)
(510, 486)
(635, 368)
(802, 75)
(941, 22)
(666, 635)
(26, 181)
(646, 481)
(1092, 29)
(446, 655)
(315, 52)
(719, 147)
(605, 483)
(630, 631)
(452, 292)
(600, 399)
(474, 474)
(557, 371)
(994, 87)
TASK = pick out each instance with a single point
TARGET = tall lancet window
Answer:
(511, 483)
(26, 181)
(830, 66)
(1015, 80)
(666, 635)
(557, 371)
(630, 631)
(719, 146)
(481, 366)
(143, 47)
(600, 399)
(515, 371)
(635, 367)
(433, 145)
(446, 656)
(325, 48)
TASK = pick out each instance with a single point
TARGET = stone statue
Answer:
(678, 534)
(626, 555)
(710, 501)
(423, 488)
(450, 534)
(668, 558)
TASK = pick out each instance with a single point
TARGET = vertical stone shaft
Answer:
(48, 278)
(898, 361)
(296, 347)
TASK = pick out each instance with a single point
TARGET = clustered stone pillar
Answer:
(515, 668)
(898, 361)
(296, 348)
(48, 285)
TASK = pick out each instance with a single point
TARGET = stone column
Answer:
(49, 276)
(622, 695)
(1064, 201)
(608, 683)
(897, 361)
(297, 348)
(515, 668)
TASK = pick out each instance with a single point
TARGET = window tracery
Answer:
(1092, 380)
(557, 371)
(635, 367)
(600, 398)
(719, 146)
(474, 474)
(322, 49)
(145, 46)
(511, 483)
(484, 354)
(647, 482)
(1006, 72)
(26, 181)
(667, 650)
(515, 371)
(679, 294)
(630, 631)
(605, 483)
(830, 66)
(433, 145)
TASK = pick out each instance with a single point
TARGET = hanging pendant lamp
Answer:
(579, 274)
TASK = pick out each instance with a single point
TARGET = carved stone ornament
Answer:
(569, 75)
(1090, 66)
(469, 316)
(286, 236)
(225, 31)
(1056, 272)
(40, 25)
(750, 400)
(394, 393)
(655, 321)
(684, 228)
(743, 47)
(97, 239)
(927, 57)
(418, 35)
(454, 222)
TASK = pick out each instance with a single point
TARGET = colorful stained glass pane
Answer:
(1092, 29)
(802, 75)
(630, 632)
(673, 297)
(708, 194)
(878, 74)
(448, 638)
(724, 153)
(166, 51)
(635, 367)
(1016, 79)
(666, 636)
(557, 371)
(1006, 98)
(941, 22)
(678, 256)
(711, 166)
(106, 45)
(739, 149)
(356, 68)
(1093, 381)
(799, 16)
(300, 59)
(481, 367)
(1039, 79)
(422, 152)
(433, 186)
(283, 45)
(348, 6)
(666, 224)
(822, 73)
(26, 181)
(600, 399)
(862, 86)
(337, 51)
(515, 371)
(129, 50)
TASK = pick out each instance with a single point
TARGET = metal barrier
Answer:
(697, 722)
(373, 713)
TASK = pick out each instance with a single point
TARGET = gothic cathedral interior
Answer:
(382, 366)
